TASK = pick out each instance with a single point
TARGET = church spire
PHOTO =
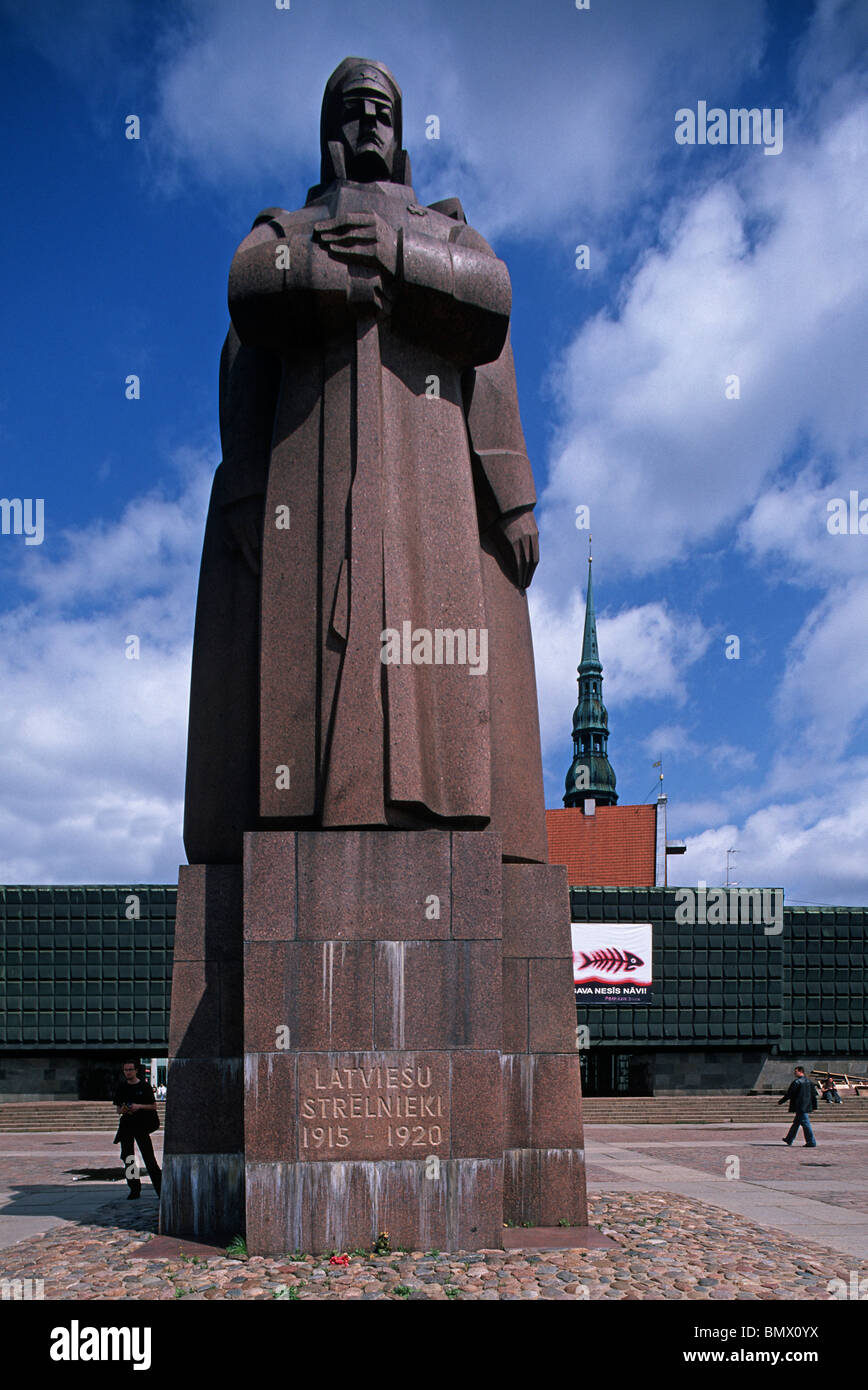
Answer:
(590, 775)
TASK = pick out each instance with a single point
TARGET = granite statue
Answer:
(374, 483)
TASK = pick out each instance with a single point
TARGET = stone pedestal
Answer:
(409, 1059)
(203, 1154)
(544, 1161)
(373, 1016)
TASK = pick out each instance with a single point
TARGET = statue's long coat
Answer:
(393, 438)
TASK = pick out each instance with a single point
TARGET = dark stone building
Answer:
(85, 975)
(732, 1007)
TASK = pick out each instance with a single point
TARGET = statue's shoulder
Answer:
(280, 220)
(463, 233)
(450, 207)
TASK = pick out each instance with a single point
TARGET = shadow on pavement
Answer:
(84, 1205)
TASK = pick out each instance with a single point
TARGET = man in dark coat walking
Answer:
(137, 1107)
(803, 1098)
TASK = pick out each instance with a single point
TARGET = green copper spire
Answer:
(590, 653)
(590, 774)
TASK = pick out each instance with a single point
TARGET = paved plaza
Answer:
(746, 1170)
(691, 1212)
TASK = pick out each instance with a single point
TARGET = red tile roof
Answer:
(615, 847)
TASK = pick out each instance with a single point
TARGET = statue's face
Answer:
(367, 131)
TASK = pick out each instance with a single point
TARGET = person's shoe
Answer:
(810, 1146)
(134, 1192)
(788, 1142)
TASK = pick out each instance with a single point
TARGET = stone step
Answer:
(51, 1116)
(23, 1117)
(710, 1109)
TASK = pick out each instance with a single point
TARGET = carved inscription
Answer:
(373, 1105)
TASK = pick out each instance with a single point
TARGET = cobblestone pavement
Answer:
(665, 1249)
(667, 1245)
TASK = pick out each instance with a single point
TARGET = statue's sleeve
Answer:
(454, 295)
(501, 466)
(281, 288)
(249, 386)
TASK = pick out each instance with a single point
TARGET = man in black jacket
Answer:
(803, 1098)
(137, 1107)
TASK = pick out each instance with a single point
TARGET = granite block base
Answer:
(203, 1156)
(408, 1061)
(544, 1166)
(451, 1204)
(202, 1196)
(544, 1187)
(373, 1019)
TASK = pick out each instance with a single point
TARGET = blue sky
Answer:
(709, 514)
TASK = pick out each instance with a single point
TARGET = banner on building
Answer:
(612, 962)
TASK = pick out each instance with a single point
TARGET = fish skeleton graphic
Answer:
(611, 959)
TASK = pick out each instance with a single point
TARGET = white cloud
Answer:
(92, 744)
(676, 740)
(646, 652)
(649, 650)
(669, 468)
(830, 63)
(669, 738)
(814, 849)
(647, 436)
(824, 690)
(133, 558)
(548, 114)
(695, 814)
(787, 530)
(730, 757)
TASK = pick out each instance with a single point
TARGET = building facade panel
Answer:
(85, 973)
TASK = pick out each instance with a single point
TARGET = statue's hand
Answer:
(244, 524)
(517, 538)
(360, 238)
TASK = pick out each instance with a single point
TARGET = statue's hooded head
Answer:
(360, 126)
